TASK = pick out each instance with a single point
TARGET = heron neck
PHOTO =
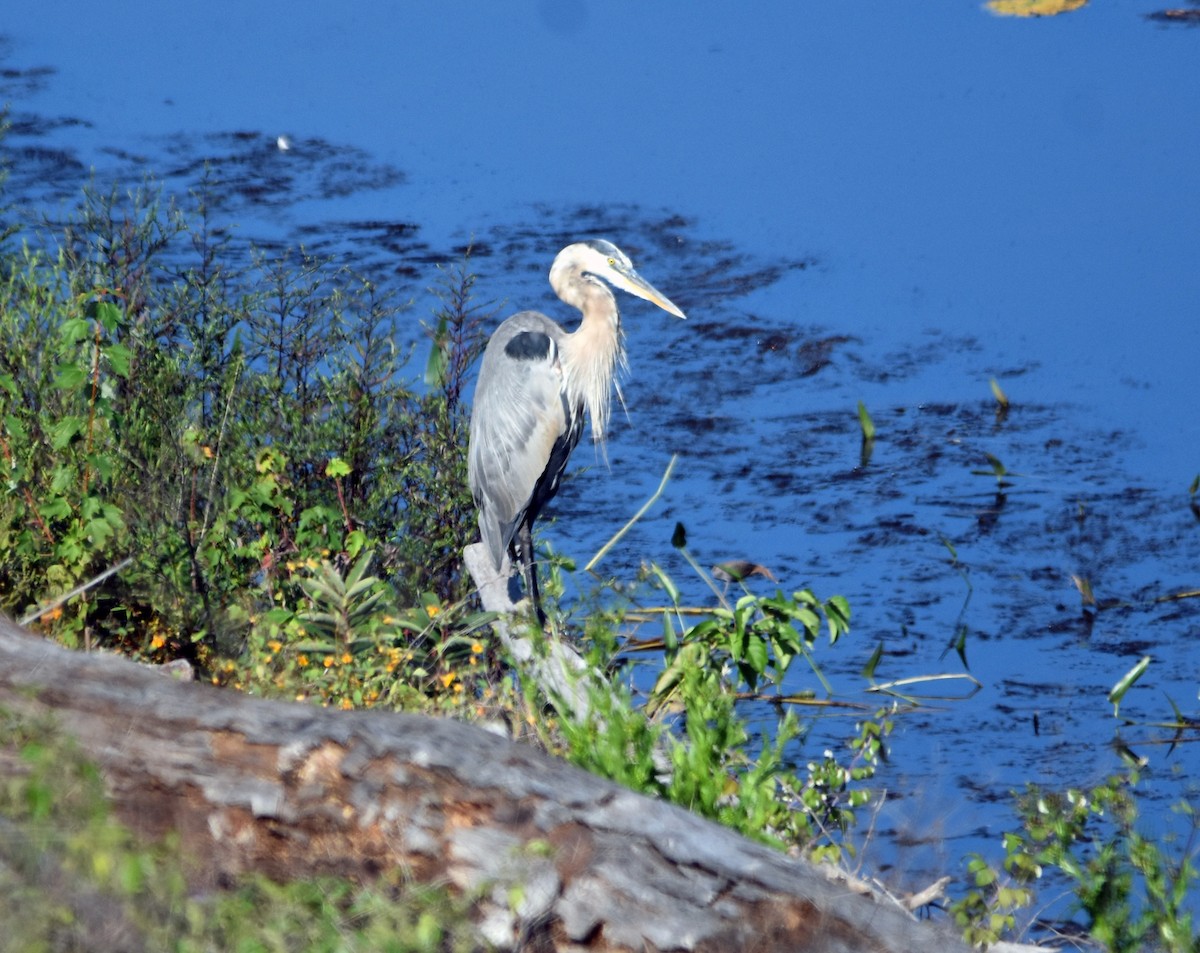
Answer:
(591, 357)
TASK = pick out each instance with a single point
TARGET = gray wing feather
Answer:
(517, 416)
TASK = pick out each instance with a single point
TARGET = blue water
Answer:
(888, 203)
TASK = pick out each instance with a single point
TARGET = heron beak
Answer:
(637, 285)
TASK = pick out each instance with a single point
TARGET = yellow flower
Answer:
(347, 658)
(328, 661)
(458, 688)
(433, 610)
(275, 645)
(447, 679)
(158, 641)
(347, 704)
(476, 648)
(302, 661)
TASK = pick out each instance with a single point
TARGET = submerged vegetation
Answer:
(235, 463)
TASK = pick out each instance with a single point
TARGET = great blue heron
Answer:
(535, 382)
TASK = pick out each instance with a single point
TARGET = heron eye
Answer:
(612, 262)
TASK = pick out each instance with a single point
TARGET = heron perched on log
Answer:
(535, 383)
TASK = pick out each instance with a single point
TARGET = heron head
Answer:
(602, 259)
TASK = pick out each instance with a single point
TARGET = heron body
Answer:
(536, 383)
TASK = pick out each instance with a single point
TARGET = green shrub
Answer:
(223, 425)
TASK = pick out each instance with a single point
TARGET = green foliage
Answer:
(1132, 889)
(696, 745)
(997, 469)
(865, 423)
(1117, 693)
(72, 878)
(1002, 404)
(224, 422)
(760, 636)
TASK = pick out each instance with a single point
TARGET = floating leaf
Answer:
(679, 537)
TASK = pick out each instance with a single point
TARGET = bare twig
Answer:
(50, 607)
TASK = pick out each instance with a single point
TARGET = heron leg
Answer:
(524, 548)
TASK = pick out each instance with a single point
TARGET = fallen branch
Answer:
(565, 860)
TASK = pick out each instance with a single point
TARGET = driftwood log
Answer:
(291, 790)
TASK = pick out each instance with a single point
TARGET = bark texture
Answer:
(290, 790)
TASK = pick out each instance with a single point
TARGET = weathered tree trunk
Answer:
(291, 790)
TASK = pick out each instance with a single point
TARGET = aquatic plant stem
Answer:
(636, 516)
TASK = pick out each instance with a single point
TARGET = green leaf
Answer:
(837, 614)
(70, 376)
(869, 669)
(15, 428)
(1126, 682)
(865, 422)
(74, 330)
(355, 541)
(811, 622)
(665, 581)
(337, 467)
(670, 636)
(435, 367)
(107, 313)
(99, 531)
(65, 431)
(757, 656)
(119, 358)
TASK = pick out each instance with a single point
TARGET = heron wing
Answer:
(519, 417)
